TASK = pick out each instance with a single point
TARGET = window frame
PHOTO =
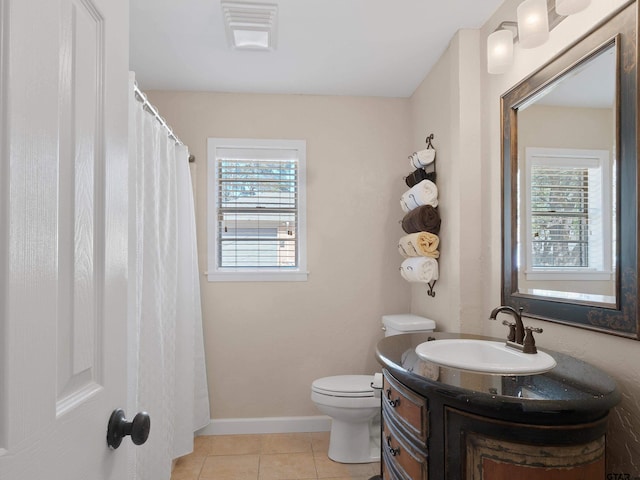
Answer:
(570, 157)
(217, 273)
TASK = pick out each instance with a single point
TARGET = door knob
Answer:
(119, 427)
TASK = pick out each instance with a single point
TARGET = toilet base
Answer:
(354, 442)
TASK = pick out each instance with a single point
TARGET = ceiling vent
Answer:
(250, 26)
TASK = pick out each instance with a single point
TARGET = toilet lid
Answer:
(344, 386)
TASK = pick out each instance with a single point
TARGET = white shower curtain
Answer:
(167, 365)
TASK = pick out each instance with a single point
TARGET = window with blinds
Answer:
(568, 211)
(257, 213)
(560, 218)
(257, 194)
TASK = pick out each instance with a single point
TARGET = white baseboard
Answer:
(237, 426)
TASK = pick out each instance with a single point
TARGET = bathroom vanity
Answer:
(445, 423)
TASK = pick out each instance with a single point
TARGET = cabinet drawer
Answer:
(401, 459)
(408, 409)
(390, 468)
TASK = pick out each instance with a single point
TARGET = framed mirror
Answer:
(570, 184)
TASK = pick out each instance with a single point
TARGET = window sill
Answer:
(574, 296)
(581, 275)
(257, 276)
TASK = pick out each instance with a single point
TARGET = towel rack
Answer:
(430, 175)
(431, 292)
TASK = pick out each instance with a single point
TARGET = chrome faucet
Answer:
(517, 338)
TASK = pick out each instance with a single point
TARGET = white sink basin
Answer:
(484, 356)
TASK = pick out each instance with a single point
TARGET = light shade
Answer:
(245, 38)
(499, 51)
(569, 7)
(533, 23)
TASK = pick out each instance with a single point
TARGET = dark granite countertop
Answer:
(573, 391)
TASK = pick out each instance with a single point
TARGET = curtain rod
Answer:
(154, 111)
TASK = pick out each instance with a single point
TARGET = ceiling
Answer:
(324, 47)
(592, 85)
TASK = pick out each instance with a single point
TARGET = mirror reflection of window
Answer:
(568, 209)
(566, 215)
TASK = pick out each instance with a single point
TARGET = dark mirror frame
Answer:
(620, 29)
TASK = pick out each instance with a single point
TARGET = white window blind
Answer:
(560, 219)
(258, 200)
(257, 213)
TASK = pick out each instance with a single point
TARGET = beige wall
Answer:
(437, 101)
(447, 103)
(266, 342)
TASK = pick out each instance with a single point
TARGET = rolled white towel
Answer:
(424, 193)
(422, 158)
(419, 269)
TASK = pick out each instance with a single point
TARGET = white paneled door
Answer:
(63, 237)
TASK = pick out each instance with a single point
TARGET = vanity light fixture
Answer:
(569, 7)
(535, 19)
(250, 26)
(533, 23)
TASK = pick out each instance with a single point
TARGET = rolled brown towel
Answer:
(422, 219)
(418, 175)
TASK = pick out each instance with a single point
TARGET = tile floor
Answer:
(281, 456)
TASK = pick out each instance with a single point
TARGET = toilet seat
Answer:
(352, 386)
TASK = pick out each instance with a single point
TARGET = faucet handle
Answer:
(529, 341)
(512, 330)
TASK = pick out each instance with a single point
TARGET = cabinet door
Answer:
(481, 448)
(491, 459)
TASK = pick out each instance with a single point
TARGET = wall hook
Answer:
(428, 141)
(430, 292)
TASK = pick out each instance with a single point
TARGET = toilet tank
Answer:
(406, 323)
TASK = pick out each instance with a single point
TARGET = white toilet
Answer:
(352, 405)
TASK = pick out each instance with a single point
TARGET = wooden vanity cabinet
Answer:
(442, 423)
(427, 437)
